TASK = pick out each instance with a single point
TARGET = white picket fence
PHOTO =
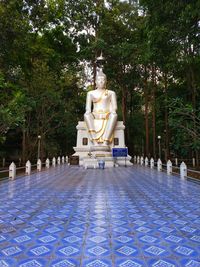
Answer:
(183, 170)
(28, 166)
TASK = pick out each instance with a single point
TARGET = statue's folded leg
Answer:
(110, 127)
(89, 120)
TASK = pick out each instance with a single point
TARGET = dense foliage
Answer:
(152, 52)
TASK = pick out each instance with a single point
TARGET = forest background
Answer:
(48, 51)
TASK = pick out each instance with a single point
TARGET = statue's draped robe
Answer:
(101, 121)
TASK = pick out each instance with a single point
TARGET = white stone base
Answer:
(88, 154)
(90, 163)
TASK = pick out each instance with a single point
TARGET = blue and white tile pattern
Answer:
(119, 217)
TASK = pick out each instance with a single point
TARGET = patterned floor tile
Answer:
(31, 229)
(22, 238)
(127, 250)
(92, 218)
(32, 262)
(53, 230)
(130, 263)
(196, 238)
(143, 229)
(186, 251)
(166, 229)
(120, 230)
(65, 263)
(97, 263)
(191, 263)
(123, 239)
(154, 250)
(69, 250)
(148, 239)
(47, 239)
(7, 262)
(98, 230)
(162, 263)
(98, 222)
(75, 230)
(72, 239)
(11, 251)
(98, 239)
(97, 251)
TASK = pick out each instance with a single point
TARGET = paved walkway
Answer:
(126, 217)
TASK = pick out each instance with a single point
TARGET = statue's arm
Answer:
(113, 102)
(88, 103)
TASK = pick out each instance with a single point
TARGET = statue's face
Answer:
(101, 82)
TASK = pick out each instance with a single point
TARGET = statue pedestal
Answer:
(85, 149)
(90, 163)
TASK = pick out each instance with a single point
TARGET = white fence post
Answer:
(146, 161)
(66, 159)
(159, 165)
(12, 171)
(193, 162)
(176, 161)
(169, 167)
(135, 159)
(39, 165)
(141, 160)
(58, 160)
(54, 161)
(183, 170)
(63, 159)
(28, 168)
(47, 163)
(152, 163)
(138, 159)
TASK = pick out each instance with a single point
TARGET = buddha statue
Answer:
(100, 116)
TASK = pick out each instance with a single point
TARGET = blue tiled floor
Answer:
(126, 217)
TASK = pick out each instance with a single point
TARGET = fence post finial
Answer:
(183, 170)
(28, 167)
(54, 161)
(39, 165)
(159, 165)
(152, 163)
(169, 167)
(47, 163)
(12, 171)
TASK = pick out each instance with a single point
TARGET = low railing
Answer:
(12, 170)
(182, 170)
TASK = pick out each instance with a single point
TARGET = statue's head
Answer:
(101, 80)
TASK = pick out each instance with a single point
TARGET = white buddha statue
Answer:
(100, 115)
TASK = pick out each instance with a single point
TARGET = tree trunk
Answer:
(146, 115)
(23, 146)
(94, 72)
(154, 111)
(124, 105)
(124, 110)
(194, 95)
(167, 149)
